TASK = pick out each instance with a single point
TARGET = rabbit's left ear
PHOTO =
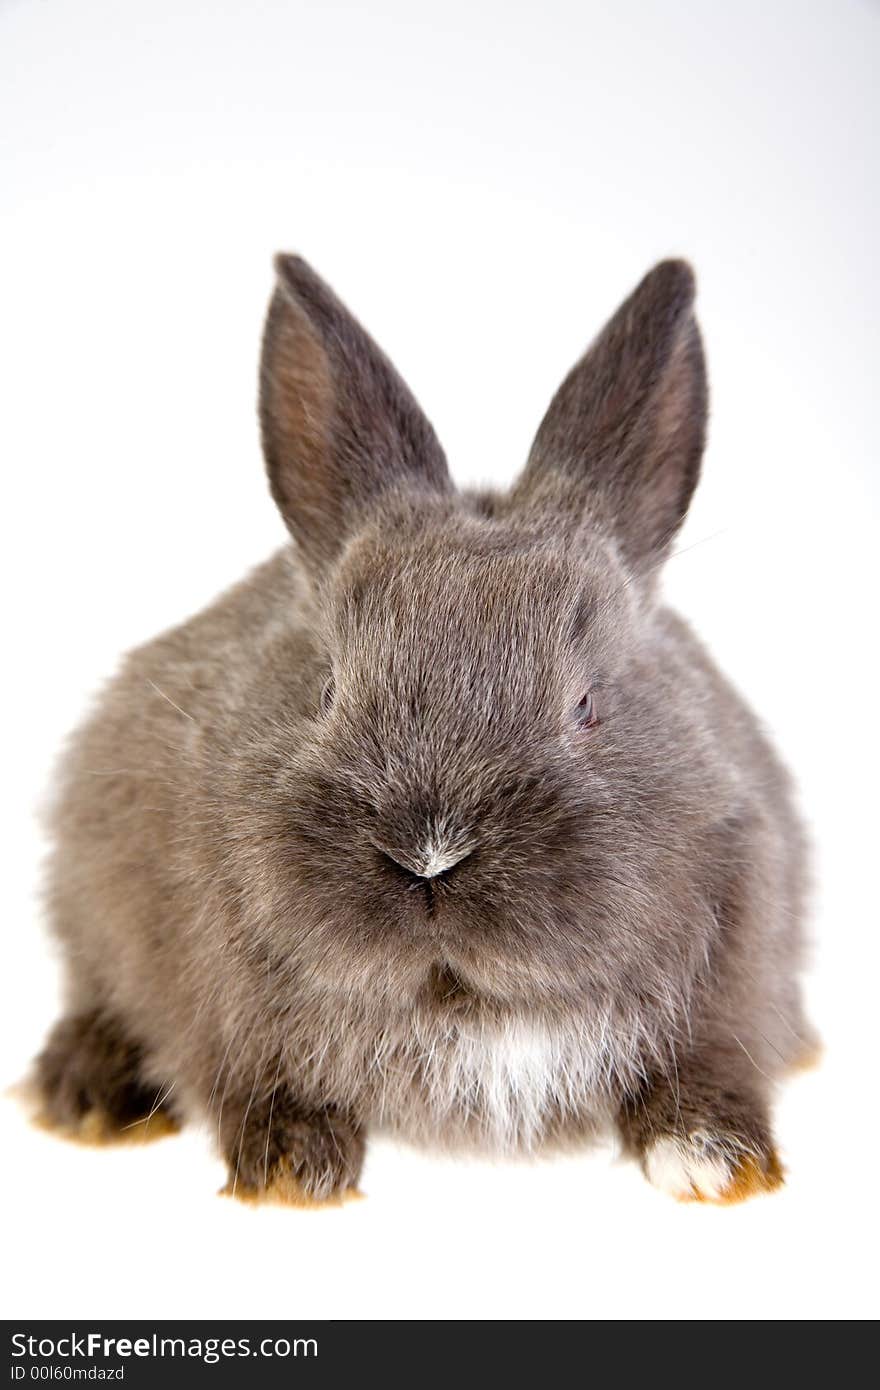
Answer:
(623, 438)
(340, 428)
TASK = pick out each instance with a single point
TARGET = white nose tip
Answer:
(430, 859)
(436, 859)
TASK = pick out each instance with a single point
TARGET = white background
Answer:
(482, 182)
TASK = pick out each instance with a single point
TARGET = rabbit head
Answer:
(493, 790)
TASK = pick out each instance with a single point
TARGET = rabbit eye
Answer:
(587, 714)
(327, 695)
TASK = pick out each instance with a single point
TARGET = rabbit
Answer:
(440, 823)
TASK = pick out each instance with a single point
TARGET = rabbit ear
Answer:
(339, 427)
(623, 437)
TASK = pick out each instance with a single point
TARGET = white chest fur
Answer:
(508, 1082)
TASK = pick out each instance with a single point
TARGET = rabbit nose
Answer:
(429, 860)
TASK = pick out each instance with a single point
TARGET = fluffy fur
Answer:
(439, 821)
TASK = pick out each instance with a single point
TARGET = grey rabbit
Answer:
(440, 822)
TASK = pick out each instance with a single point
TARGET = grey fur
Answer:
(239, 821)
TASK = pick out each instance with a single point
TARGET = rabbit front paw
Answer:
(709, 1166)
(283, 1152)
(703, 1134)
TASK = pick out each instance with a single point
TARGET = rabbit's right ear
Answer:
(340, 429)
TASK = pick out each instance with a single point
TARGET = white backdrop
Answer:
(482, 183)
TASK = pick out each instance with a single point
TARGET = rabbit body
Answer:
(439, 822)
